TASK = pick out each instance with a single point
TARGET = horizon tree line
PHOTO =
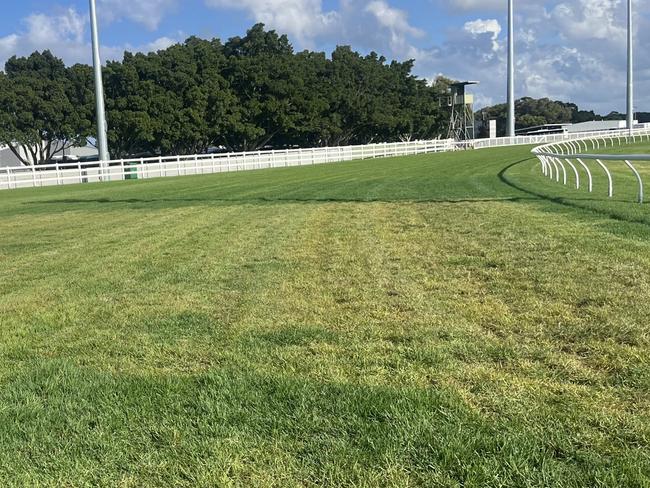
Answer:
(250, 93)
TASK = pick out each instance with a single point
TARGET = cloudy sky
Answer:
(572, 50)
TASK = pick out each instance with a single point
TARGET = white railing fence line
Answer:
(555, 157)
(142, 168)
(550, 138)
(61, 173)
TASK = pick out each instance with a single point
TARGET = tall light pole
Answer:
(511, 70)
(630, 69)
(99, 87)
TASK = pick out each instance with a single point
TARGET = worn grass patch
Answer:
(442, 320)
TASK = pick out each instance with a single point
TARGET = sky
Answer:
(571, 50)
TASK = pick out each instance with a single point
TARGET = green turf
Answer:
(443, 320)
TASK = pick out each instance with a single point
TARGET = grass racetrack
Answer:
(442, 320)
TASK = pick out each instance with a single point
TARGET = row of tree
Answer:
(531, 112)
(249, 93)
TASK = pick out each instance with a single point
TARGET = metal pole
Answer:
(511, 70)
(630, 69)
(99, 88)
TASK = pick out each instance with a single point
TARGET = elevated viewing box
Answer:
(461, 123)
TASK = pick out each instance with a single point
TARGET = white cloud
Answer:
(303, 20)
(569, 49)
(477, 4)
(66, 35)
(393, 19)
(62, 33)
(590, 19)
(572, 50)
(159, 44)
(480, 26)
(374, 25)
(146, 12)
(9, 43)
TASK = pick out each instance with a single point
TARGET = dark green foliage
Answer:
(249, 93)
(43, 106)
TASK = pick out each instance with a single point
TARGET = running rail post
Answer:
(557, 169)
(589, 177)
(564, 177)
(638, 177)
(610, 185)
(575, 171)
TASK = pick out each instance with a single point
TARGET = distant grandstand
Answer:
(593, 126)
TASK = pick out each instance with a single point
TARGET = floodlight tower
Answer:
(511, 71)
(99, 87)
(630, 69)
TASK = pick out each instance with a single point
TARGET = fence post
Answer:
(638, 178)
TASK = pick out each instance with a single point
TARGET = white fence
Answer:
(143, 168)
(549, 138)
(555, 157)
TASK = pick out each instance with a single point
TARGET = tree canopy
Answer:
(249, 93)
(43, 107)
(531, 112)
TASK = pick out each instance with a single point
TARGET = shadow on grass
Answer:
(271, 200)
(175, 430)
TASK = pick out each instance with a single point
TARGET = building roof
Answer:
(598, 125)
(543, 129)
(8, 159)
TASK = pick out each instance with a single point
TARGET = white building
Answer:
(597, 126)
(593, 126)
(8, 159)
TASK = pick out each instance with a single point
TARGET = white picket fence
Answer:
(144, 168)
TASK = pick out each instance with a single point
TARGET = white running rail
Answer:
(143, 168)
(556, 157)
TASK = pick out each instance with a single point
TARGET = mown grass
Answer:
(442, 320)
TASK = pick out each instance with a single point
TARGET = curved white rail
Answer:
(551, 155)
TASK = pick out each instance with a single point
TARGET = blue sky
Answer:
(567, 49)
